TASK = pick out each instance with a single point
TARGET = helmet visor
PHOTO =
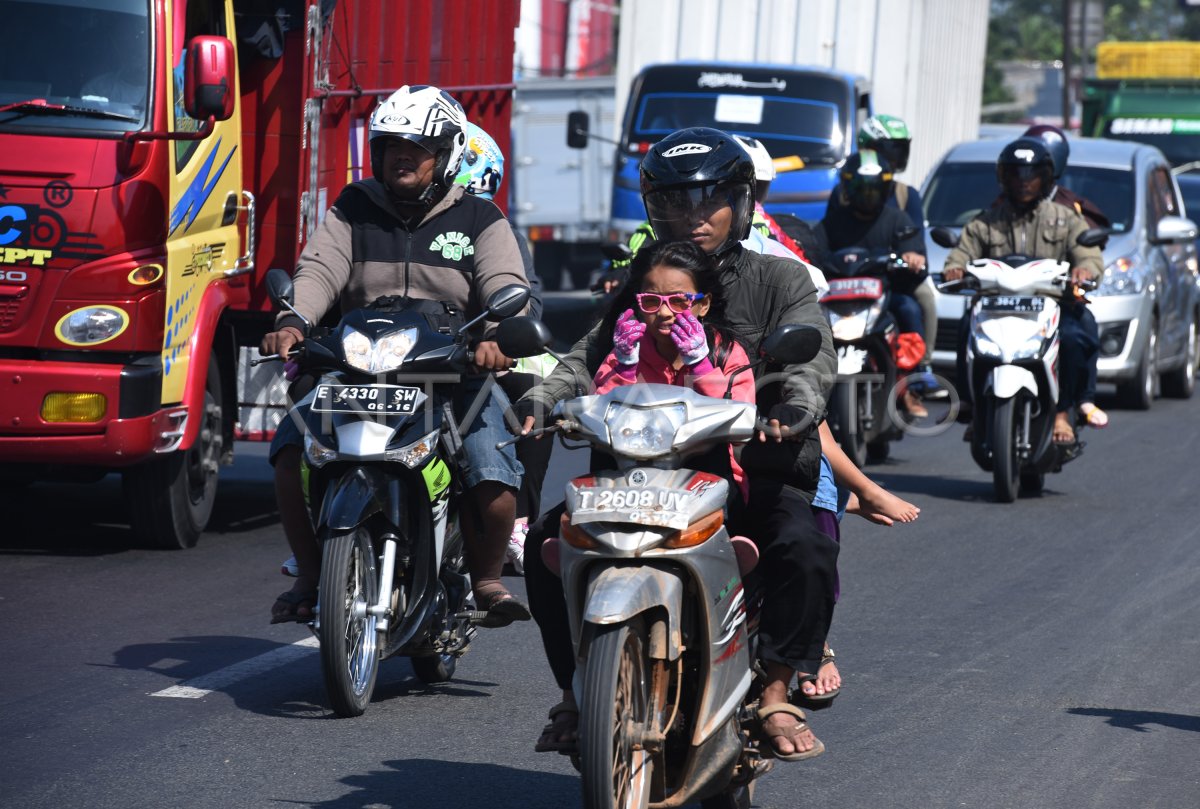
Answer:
(1025, 183)
(675, 212)
(894, 152)
(867, 196)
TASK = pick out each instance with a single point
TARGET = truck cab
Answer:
(808, 119)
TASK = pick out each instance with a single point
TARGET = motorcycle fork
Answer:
(384, 609)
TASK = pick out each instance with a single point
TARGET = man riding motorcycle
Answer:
(1027, 223)
(410, 231)
(698, 184)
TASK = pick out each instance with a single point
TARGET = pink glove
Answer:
(688, 336)
(627, 338)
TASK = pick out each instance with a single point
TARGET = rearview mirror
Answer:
(1174, 229)
(791, 344)
(578, 126)
(1093, 237)
(208, 78)
(944, 237)
(507, 301)
(279, 287)
(618, 251)
(520, 337)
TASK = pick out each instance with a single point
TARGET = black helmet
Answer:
(866, 182)
(691, 168)
(1021, 162)
(1055, 141)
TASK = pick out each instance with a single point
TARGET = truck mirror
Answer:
(578, 125)
(208, 82)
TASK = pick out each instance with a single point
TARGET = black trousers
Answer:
(796, 574)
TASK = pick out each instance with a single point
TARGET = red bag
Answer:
(909, 350)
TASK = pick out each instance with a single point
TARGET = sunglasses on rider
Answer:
(678, 302)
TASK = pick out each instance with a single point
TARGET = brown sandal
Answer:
(769, 735)
(556, 729)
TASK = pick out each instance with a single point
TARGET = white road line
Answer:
(205, 684)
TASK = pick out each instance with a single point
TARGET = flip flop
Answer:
(295, 600)
(767, 736)
(815, 702)
(1093, 416)
(499, 609)
(565, 747)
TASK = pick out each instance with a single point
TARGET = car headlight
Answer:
(379, 356)
(644, 432)
(317, 453)
(91, 325)
(414, 454)
(1122, 277)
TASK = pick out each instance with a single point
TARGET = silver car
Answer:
(1148, 303)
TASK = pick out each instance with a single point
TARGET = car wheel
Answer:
(1181, 383)
(1138, 393)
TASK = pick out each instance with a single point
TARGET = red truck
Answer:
(156, 158)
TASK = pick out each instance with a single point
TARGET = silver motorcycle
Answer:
(667, 680)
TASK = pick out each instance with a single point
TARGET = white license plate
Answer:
(390, 400)
(644, 505)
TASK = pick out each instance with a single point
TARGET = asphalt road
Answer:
(1039, 654)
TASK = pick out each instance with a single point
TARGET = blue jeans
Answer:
(482, 460)
(906, 312)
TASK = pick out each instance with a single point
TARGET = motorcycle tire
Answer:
(616, 715)
(170, 497)
(350, 651)
(1032, 483)
(847, 424)
(435, 668)
(1006, 466)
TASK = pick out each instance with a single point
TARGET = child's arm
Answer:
(874, 502)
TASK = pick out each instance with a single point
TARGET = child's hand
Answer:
(627, 338)
(689, 339)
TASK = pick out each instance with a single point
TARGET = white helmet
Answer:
(430, 118)
(764, 166)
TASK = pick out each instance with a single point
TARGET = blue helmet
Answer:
(482, 166)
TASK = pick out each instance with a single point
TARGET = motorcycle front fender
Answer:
(1006, 381)
(617, 594)
(353, 498)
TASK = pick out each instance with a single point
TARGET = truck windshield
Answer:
(959, 191)
(74, 65)
(791, 112)
(1177, 138)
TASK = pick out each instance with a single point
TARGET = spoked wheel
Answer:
(846, 407)
(617, 721)
(1006, 465)
(349, 640)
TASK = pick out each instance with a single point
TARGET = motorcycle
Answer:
(1012, 364)
(382, 446)
(864, 414)
(666, 681)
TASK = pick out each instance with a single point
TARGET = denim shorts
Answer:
(482, 460)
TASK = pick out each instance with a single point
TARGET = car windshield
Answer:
(74, 64)
(792, 113)
(957, 192)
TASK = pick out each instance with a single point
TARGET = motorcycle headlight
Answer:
(852, 326)
(1026, 335)
(1122, 277)
(317, 453)
(644, 432)
(378, 356)
(415, 453)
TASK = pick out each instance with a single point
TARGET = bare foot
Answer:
(881, 507)
(1064, 433)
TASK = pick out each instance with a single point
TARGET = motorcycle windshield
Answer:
(78, 65)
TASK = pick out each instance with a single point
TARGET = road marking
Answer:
(205, 684)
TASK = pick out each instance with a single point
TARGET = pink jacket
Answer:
(652, 367)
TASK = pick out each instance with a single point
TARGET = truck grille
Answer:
(9, 309)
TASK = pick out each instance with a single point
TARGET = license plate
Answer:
(1012, 303)
(390, 400)
(644, 505)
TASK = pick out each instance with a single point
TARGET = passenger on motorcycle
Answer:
(409, 231)
(860, 217)
(698, 185)
(1027, 223)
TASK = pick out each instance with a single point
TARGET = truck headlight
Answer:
(91, 325)
(378, 356)
(1122, 277)
(644, 432)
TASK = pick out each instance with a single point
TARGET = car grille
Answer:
(947, 335)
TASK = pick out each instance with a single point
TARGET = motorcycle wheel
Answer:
(878, 451)
(435, 668)
(348, 635)
(1032, 483)
(1006, 465)
(170, 497)
(614, 720)
(845, 405)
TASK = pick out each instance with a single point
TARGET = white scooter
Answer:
(1012, 365)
